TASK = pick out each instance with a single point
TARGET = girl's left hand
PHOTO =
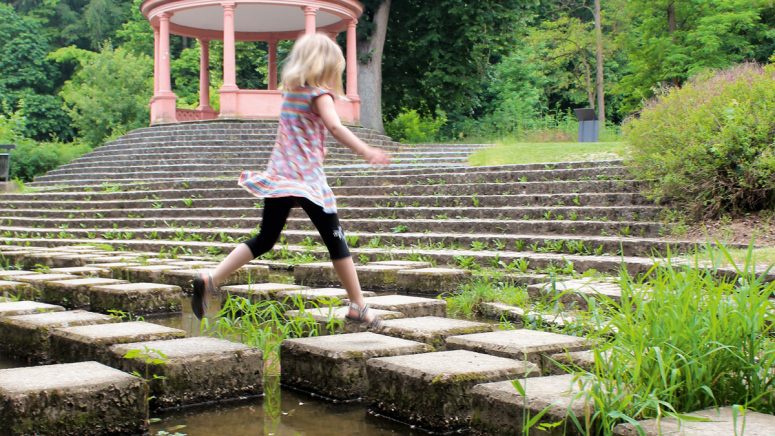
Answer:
(376, 156)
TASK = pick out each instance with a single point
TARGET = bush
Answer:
(31, 159)
(709, 147)
(409, 126)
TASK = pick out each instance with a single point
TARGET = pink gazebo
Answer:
(244, 20)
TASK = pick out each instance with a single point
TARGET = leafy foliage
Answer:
(410, 126)
(726, 161)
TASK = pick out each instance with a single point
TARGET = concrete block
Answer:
(523, 344)
(145, 273)
(577, 291)
(521, 318)
(324, 315)
(26, 337)
(10, 274)
(404, 264)
(85, 398)
(259, 291)
(113, 270)
(39, 280)
(91, 342)
(10, 288)
(136, 298)
(431, 281)
(335, 366)
(316, 274)
(15, 308)
(721, 421)
(410, 306)
(498, 409)
(88, 271)
(432, 390)
(582, 360)
(379, 277)
(73, 293)
(318, 296)
(432, 330)
(195, 370)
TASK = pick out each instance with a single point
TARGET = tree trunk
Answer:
(588, 81)
(370, 70)
(599, 79)
(671, 25)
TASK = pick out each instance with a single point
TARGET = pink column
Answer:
(309, 19)
(204, 76)
(155, 60)
(163, 102)
(352, 73)
(229, 89)
(272, 64)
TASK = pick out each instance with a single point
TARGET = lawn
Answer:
(504, 153)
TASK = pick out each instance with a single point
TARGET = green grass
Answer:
(760, 256)
(504, 153)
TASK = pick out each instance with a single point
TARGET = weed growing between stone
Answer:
(681, 340)
(466, 303)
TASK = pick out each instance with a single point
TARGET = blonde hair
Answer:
(315, 60)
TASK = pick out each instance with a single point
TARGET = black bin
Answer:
(5, 161)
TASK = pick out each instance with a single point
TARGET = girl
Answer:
(311, 78)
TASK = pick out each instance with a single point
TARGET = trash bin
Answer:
(5, 161)
(589, 126)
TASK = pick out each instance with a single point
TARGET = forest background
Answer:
(76, 73)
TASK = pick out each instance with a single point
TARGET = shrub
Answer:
(710, 146)
(31, 159)
(410, 126)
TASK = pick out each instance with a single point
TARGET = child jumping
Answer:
(311, 78)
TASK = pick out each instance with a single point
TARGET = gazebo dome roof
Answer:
(253, 19)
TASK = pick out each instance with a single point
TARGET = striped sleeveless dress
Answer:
(295, 166)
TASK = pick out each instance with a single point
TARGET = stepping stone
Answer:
(83, 398)
(48, 259)
(82, 271)
(11, 274)
(136, 298)
(26, 337)
(520, 318)
(523, 344)
(411, 307)
(335, 366)
(259, 291)
(432, 330)
(498, 409)
(195, 370)
(323, 315)
(431, 281)
(70, 259)
(583, 360)
(381, 277)
(318, 296)
(316, 274)
(577, 291)
(432, 390)
(113, 269)
(91, 342)
(18, 290)
(721, 421)
(274, 265)
(15, 308)
(39, 280)
(75, 293)
(145, 273)
(404, 264)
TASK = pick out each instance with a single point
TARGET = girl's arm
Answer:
(324, 106)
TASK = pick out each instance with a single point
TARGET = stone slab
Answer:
(26, 337)
(721, 421)
(136, 298)
(85, 398)
(318, 296)
(323, 315)
(432, 330)
(72, 259)
(18, 289)
(574, 360)
(91, 342)
(73, 293)
(185, 277)
(113, 270)
(16, 308)
(523, 344)
(39, 280)
(431, 281)
(498, 409)
(432, 390)
(410, 306)
(379, 277)
(259, 291)
(316, 274)
(521, 318)
(195, 370)
(577, 291)
(81, 270)
(404, 264)
(10, 274)
(145, 273)
(335, 366)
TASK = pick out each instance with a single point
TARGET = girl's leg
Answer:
(273, 219)
(328, 226)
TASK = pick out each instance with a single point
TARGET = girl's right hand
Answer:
(376, 156)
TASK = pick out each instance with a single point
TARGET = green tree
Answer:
(109, 92)
(668, 41)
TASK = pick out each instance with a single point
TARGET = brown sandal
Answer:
(203, 287)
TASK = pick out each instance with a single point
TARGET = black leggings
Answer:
(275, 214)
